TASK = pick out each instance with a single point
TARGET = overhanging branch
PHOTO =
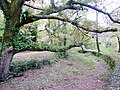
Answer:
(45, 14)
(33, 7)
(96, 9)
(49, 48)
(115, 9)
(55, 9)
(61, 8)
(71, 7)
(37, 17)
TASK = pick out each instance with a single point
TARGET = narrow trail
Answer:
(115, 76)
(63, 75)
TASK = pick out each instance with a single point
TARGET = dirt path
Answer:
(63, 75)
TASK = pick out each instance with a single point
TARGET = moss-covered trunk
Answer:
(8, 44)
(7, 52)
(12, 17)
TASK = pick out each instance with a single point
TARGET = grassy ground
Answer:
(77, 72)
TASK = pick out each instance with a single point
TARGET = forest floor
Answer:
(114, 82)
(77, 72)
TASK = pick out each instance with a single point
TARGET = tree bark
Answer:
(97, 44)
(118, 44)
(7, 51)
(12, 17)
(7, 56)
(8, 47)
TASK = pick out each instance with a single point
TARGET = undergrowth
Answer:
(22, 66)
(106, 58)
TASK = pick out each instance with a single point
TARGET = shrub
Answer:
(22, 66)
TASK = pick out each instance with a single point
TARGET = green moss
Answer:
(85, 59)
(106, 58)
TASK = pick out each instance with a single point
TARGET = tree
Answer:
(118, 43)
(97, 38)
(15, 17)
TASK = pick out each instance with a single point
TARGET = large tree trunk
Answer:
(7, 51)
(12, 17)
(8, 47)
(7, 56)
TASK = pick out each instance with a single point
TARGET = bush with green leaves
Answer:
(22, 66)
(62, 55)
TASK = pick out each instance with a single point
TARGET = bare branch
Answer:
(46, 15)
(71, 7)
(59, 9)
(37, 17)
(48, 12)
(94, 8)
(115, 10)
(82, 32)
(33, 7)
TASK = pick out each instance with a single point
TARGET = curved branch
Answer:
(59, 9)
(33, 7)
(96, 9)
(49, 11)
(115, 9)
(71, 7)
(46, 15)
(37, 17)
(49, 48)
